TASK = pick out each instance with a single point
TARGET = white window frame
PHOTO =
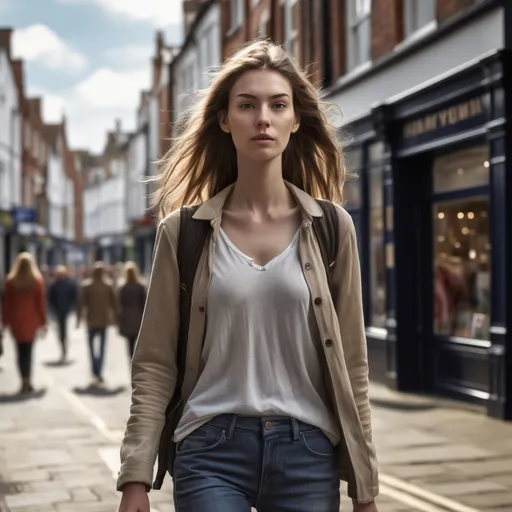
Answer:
(291, 35)
(236, 14)
(263, 22)
(358, 13)
(413, 25)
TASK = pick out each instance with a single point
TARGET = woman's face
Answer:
(260, 115)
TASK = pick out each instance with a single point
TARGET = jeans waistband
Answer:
(266, 424)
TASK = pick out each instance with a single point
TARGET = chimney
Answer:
(118, 126)
(5, 40)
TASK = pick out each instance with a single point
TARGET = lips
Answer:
(263, 136)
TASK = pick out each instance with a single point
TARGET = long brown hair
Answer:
(202, 159)
(24, 272)
(131, 272)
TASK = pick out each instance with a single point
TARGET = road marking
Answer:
(95, 420)
(109, 455)
(399, 490)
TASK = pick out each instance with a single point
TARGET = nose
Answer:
(263, 118)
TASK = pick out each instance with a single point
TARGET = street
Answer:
(59, 450)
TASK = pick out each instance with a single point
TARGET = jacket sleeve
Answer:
(154, 366)
(347, 295)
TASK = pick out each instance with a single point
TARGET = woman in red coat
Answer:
(24, 311)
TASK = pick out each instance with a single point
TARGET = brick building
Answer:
(424, 94)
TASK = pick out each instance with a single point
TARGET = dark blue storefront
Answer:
(435, 234)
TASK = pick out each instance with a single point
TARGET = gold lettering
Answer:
(430, 123)
(452, 115)
(464, 111)
(476, 107)
(443, 118)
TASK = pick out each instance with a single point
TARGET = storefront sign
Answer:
(461, 116)
(24, 215)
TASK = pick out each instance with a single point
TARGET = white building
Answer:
(106, 201)
(200, 56)
(10, 157)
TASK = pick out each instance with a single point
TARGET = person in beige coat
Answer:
(97, 303)
(272, 407)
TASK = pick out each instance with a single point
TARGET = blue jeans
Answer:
(97, 355)
(273, 464)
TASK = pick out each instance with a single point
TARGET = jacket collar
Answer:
(212, 209)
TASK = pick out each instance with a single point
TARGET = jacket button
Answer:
(328, 343)
(308, 266)
(201, 308)
(318, 301)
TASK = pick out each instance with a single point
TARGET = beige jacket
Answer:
(340, 324)
(97, 302)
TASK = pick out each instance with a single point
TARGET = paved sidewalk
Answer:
(444, 447)
(59, 451)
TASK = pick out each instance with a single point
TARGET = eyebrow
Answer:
(252, 97)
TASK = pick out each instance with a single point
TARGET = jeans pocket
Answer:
(201, 440)
(317, 443)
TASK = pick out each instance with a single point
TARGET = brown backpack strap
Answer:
(327, 232)
(191, 240)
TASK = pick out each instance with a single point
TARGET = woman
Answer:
(131, 300)
(275, 405)
(24, 311)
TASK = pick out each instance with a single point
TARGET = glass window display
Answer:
(462, 253)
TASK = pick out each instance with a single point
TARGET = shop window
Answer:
(352, 199)
(462, 249)
(377, 256)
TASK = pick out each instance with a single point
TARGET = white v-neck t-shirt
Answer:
(262, 350)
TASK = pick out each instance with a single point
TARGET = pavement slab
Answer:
(59, 451)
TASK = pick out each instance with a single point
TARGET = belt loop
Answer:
(231, 426)
(295, 429)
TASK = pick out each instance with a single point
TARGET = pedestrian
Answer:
(97, 302)
(268, 404)
(62, 298)
(24, 312)
(130, 305)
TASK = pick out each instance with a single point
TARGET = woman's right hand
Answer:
(135, 498)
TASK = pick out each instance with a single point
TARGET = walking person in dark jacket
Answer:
(131, 299)
(62, 298)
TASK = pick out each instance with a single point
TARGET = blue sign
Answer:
(21, 215)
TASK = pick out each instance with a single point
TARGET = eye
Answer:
(245, 106)
(279, 105)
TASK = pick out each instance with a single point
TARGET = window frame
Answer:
(354, 22)
(412, 26)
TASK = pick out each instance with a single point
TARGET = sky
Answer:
(89, 59)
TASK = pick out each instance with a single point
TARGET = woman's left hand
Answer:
(365, 507)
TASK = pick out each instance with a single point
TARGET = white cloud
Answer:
(41, 44)
(160, 12)
(92, 106)
(130, 56)
(106, 88)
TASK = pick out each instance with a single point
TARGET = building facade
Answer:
(424, 93)
(10, 160)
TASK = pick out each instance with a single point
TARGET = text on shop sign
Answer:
(444, 118)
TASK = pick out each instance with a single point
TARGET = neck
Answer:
(260, 187)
